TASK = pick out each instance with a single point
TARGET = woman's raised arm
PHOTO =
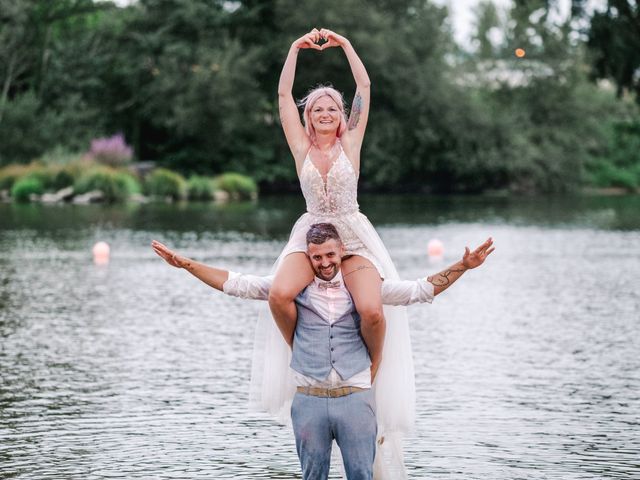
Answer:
(289, 116)
(359, 113)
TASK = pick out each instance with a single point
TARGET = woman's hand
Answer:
(332, 39)
(169, 256)
(309, 40)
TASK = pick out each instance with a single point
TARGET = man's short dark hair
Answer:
(321, 232)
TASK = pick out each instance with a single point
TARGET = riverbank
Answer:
(83, 181)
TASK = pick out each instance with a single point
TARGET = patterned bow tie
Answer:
(325, 285)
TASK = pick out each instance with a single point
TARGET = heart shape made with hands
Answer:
(326, 41)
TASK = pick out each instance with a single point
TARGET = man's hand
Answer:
(169, 256)
(477, 257)
(212, 276)
(443, 280)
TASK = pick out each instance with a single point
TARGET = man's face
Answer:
(326, 258)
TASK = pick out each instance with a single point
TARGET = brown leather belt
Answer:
(329, 392)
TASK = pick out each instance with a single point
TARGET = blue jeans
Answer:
(350, 420)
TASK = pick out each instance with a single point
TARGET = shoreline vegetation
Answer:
(85, 181)
(107, 176)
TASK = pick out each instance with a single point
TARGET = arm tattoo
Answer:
(442, 279)
(356, 109)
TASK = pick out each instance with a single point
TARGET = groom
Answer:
(334, 400)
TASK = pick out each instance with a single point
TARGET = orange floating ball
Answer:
(101, 253)
(435, 248)
(520, 52)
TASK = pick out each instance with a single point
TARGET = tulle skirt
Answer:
(272, 386)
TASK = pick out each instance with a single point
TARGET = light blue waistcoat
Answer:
(319, 346)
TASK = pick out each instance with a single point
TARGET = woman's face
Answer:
(325, 115)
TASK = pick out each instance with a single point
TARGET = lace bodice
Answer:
(336, 196)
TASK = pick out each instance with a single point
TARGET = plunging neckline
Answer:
(325, 179)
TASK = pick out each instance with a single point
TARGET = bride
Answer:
(326, 149)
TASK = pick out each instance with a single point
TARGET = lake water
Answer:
(528, 367)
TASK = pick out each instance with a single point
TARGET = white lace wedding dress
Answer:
(334, 200)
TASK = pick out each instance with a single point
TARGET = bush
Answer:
(52, 177)
(165, 183)
(237, 185)
(62, 178)
(605, 174)
(200, 188)
(11, 173)
(59, 156)
(112, 151)
(624, 144)
(25, 187)
(115, 185)
(601, 172)
(41, 173)
(67, 175)
(130, 182)
(619, 164)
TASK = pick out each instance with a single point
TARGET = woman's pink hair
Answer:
(312, 97)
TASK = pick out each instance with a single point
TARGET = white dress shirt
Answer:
(331, 304)
(394, 292)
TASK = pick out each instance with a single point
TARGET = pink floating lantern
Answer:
(101, 253)
(435, 249)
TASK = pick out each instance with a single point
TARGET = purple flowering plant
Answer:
(112, 151)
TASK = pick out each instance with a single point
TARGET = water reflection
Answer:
(527, 368)
(274, 216)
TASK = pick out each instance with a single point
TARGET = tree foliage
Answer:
(192, 85)
(614, 39)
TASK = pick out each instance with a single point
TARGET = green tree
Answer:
(193, 87)
(546, 120)
(32, 34)
(614, 40)
(187, 90)
(486, 23)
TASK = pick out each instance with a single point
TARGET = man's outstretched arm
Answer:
(214, 277)
(405, 292)
(244, 286)
(443, 280)
(401, 292)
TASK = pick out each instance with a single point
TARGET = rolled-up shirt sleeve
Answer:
(248, 286)
(406, 292)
